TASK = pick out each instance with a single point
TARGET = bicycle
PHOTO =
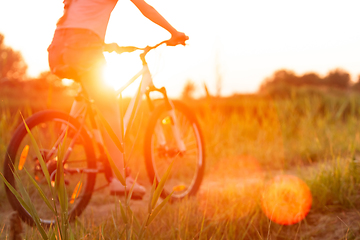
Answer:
(172, 134)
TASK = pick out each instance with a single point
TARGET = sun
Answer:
(112, 71)
(120, 69)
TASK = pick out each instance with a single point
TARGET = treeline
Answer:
(12, 64)
(47, 89)
(18, 89)
(44, 91)
(283, 81)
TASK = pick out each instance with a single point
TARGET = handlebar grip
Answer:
(176, 41)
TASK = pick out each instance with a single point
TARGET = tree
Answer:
(12, 64)
(356, 85)
(285, 79)
(337, 78)
(280, 77)
(311, 79)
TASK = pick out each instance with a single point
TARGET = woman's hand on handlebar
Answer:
(176, 39)
(113, 47)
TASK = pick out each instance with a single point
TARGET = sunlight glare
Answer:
(23, 157)
(67, 82)
(286, 200)
(120, 69)
(76, 192)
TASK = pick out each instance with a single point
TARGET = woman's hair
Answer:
(66, 7)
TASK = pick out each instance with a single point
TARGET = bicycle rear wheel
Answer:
(48, 128)
(188, 167)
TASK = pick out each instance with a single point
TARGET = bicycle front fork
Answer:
(171, 118)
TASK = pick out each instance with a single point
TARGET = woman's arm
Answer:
(149, 12)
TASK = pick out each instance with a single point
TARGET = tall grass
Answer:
(250, 139)
(282, 133)
(58, 201)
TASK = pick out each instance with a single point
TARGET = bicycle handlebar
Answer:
(113, 47)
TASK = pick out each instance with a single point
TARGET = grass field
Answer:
(250, 140)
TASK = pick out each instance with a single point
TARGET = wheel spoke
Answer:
(46, 128)
(184, 177)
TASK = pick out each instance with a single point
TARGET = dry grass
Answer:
(249, 140)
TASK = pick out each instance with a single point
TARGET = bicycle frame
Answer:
(146, 86)
(61, 135)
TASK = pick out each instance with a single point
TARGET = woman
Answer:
(77, 52)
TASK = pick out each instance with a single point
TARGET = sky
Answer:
(242, 41)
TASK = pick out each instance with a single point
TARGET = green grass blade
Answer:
(59, 178)
(132, 190)
(158, 209)
(41, 192)
(113, 218)
(122, 233)
(51, 234)
(160, 186)
(132, 215)
(72, 236)
(123, 215)
(36, 219)
(24, 195)
(118, 145)
(110, 131)
(151, 195)
(79, 223)
(61, 189)
(38, 154)
(114, 168)
(31, 208)
(16, 194)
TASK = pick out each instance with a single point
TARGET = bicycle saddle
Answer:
(65, 71)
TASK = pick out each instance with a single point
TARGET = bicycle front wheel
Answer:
(162, 148)
(57, 135)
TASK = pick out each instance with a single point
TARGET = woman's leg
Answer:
(106, 103)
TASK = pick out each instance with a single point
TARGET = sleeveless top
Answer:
(93, 15)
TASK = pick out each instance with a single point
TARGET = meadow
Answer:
(249, 140)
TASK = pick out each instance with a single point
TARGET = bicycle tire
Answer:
(178, 182)
(41, 123)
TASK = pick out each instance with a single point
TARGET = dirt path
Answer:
(333, 224)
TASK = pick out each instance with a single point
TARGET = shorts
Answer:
(75, 53)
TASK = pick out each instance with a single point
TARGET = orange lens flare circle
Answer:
(286, 200)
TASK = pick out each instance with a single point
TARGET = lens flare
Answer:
(116, 75)
(23, 157)
(167, 120)
(286, 200)
(76, 192)
(179, 188)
